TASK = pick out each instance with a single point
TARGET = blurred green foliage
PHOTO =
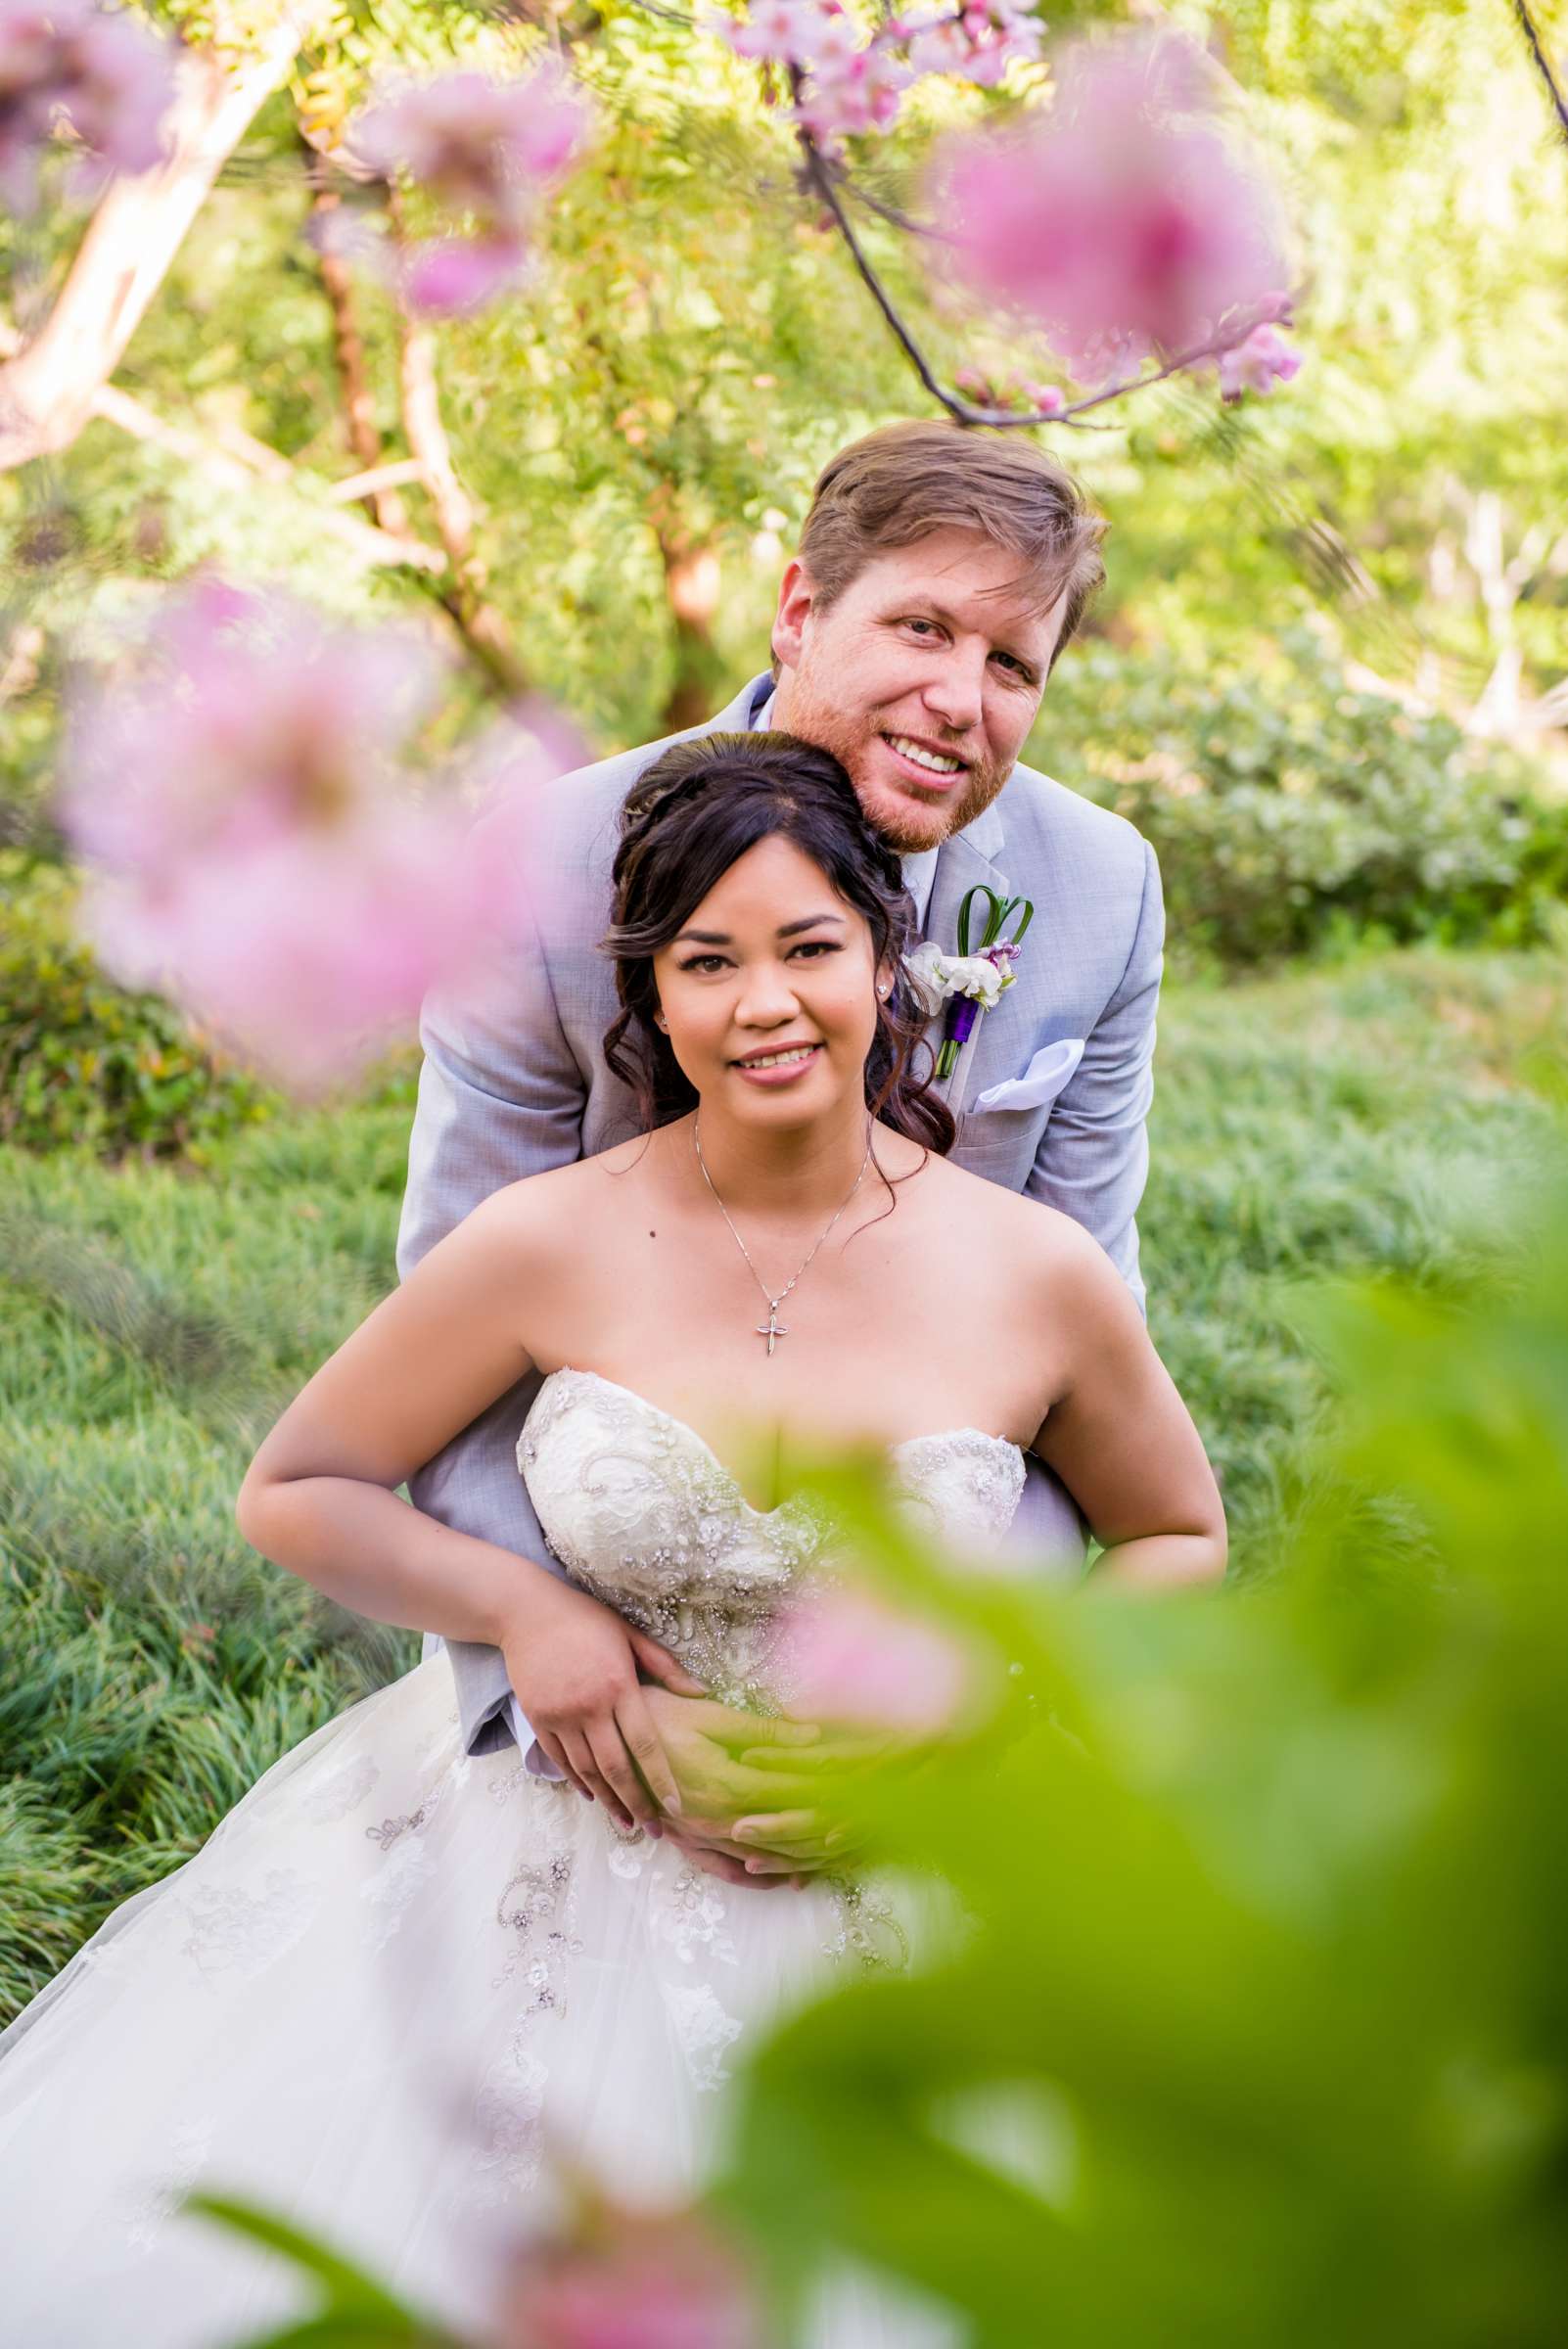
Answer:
(1288, 807)
(82, 1061)
(1254, 2028)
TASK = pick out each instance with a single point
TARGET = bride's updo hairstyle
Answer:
(691, 815)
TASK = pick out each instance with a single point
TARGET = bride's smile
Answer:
(768, 994)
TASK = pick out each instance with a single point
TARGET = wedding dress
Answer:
(401, 1983)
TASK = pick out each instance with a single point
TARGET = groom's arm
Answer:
(500, 1096)
(1094, 1158)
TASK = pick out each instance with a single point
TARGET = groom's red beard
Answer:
(908, 822)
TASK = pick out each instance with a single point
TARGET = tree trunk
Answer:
(478, 622)
(380, 498)
(47, 391)
(692, 585)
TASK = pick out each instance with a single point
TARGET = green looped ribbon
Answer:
(999, 910)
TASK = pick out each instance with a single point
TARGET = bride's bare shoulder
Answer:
(539, 1208)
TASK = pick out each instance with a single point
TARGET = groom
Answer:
(940, 574)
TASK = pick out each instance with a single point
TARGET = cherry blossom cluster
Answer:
(972, 44)
(1122, 221)
(98, 73)
(486, 151)
(256, 847)
(848, 82)
(1259, 362)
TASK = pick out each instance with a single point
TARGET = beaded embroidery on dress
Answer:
(640, 1512)
(399, 1981)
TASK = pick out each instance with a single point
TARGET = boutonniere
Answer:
(970, 982)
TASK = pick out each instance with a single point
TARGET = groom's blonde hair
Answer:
(898, 484)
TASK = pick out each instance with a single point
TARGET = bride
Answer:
(401, 1983)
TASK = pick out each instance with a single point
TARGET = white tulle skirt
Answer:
(396, 1989)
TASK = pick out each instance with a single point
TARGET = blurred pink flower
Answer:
(854, 85)
(1120, 219)
(977, 45)
(447, 277)
(851, 85)
(1264, 358)
(849, 94)
(486, 151)
(794, 31)
(633, 2280)
(255, 848)
(845, 1657)
(101, 72)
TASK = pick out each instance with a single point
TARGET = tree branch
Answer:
(367, 540)
(820, 178)
(1527, 25)
(462, 596)
(380, 495)
(48, 390)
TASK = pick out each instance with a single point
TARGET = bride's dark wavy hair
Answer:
(687, 820)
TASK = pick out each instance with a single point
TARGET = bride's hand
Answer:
(574, 1665)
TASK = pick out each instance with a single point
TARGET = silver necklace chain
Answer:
(774, 1329)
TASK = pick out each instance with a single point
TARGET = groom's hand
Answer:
(703, 1742)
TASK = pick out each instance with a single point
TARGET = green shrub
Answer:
(83, 1062)
(1289, 811)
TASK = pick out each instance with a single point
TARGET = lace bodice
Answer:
(641, 1513)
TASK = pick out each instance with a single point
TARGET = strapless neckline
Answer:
(896, 1451)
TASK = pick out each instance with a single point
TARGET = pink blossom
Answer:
(449, 277)
(844, 1656)
(936, 44)
(977, 45)
(255, 847)
(102, 73)
(633, 2280)
(486, 151)
(848, 95)
(850, 85)
(1121, 217)
(793, 32)
(1259, 362)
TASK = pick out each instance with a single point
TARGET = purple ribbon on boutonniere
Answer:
(971, 981)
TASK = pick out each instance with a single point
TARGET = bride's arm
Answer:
(1117, 1432)
(320, 1499)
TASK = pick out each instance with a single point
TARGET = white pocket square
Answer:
(1042, 1080)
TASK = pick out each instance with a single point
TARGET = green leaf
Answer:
(353, 2296)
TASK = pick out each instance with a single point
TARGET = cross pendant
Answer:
(775, 1328)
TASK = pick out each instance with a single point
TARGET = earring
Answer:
(659, 1021)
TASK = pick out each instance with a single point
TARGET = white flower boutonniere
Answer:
(969, 983)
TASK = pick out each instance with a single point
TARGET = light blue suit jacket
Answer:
(498, 1100)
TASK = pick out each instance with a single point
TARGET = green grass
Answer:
(1367, 1118)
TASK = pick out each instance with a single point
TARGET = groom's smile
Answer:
(927, 765)
(922, 678)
